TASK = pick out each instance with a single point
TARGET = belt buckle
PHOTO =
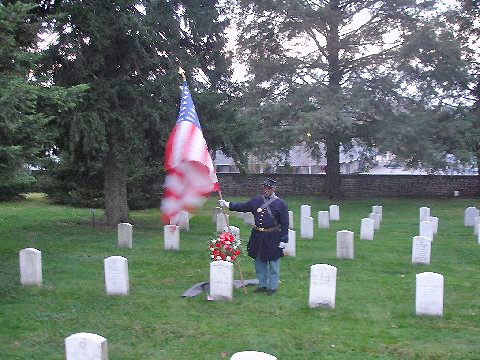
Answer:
(261, 229)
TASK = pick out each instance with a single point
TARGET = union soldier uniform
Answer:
(269, 234)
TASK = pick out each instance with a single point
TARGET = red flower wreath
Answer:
(225, 247)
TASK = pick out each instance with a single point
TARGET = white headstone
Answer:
(424, 213)
(116, 275)
(323, 285)
(429, 294)
(470, 214)
(183, 220)
(252, 355)
(291, 248)
(124, 231)
(171, 237)
(334, 212)
(426, 229)
(86, 346)
(476, 223)
(249, 219)
(235, 231)
(306, 228)
(290, 219)
(434, 221)
(421, 250)
(305, 211)
(378, 209)
(216, 210)
(323, 219)
(345, 244)
(221, 280)
(367, 228)
(376, 220)
(222, 221)
(30, 266)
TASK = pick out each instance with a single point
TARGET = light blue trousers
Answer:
(268, 273)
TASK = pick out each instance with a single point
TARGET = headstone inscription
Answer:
(30, 266)
(367, 227)
(334, 212)
(221, 280)
(470, 214)
(291, 248)
(252, 355)
(124, 235)
(306, 228)
(421, 250)
(323, 219)
(86, 346)
(429, 294)
(424, 213)
(345, 244)
(116, 275)
(171, 236)
(323, 285)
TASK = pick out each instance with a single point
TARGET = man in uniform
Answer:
(269, 234)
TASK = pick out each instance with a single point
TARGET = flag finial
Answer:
(182, 74)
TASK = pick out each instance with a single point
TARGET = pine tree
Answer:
(128, 52)
(27, 102)
(323, 68)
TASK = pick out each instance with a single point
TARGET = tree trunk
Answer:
(333, 181)
(115, 190)
(333, 185)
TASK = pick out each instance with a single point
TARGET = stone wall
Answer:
(354, 185)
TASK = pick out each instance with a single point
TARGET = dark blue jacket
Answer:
(265, 244)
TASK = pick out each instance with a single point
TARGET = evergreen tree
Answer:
(128, 52)
(27, 102)
(325, 70)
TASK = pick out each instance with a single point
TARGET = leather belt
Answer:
(261, 229)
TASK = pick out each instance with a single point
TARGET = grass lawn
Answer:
(375, 303)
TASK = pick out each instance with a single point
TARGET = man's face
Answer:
(268, 190)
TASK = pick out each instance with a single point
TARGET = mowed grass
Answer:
(375, 303)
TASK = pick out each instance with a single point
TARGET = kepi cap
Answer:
(270, 183)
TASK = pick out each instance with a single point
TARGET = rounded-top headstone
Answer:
(86, 346)
(252, 355)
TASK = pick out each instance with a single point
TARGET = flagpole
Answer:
(181, 72)
(238, 260)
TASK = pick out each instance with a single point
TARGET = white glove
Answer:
(282, 245)
(224, 203)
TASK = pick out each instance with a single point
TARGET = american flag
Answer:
(190, 172)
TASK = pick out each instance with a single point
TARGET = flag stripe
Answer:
(190, 171)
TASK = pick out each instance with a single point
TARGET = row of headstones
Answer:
(92, 346)
(367, 228)
(323, 280)
(116, 267)
(115, 271)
